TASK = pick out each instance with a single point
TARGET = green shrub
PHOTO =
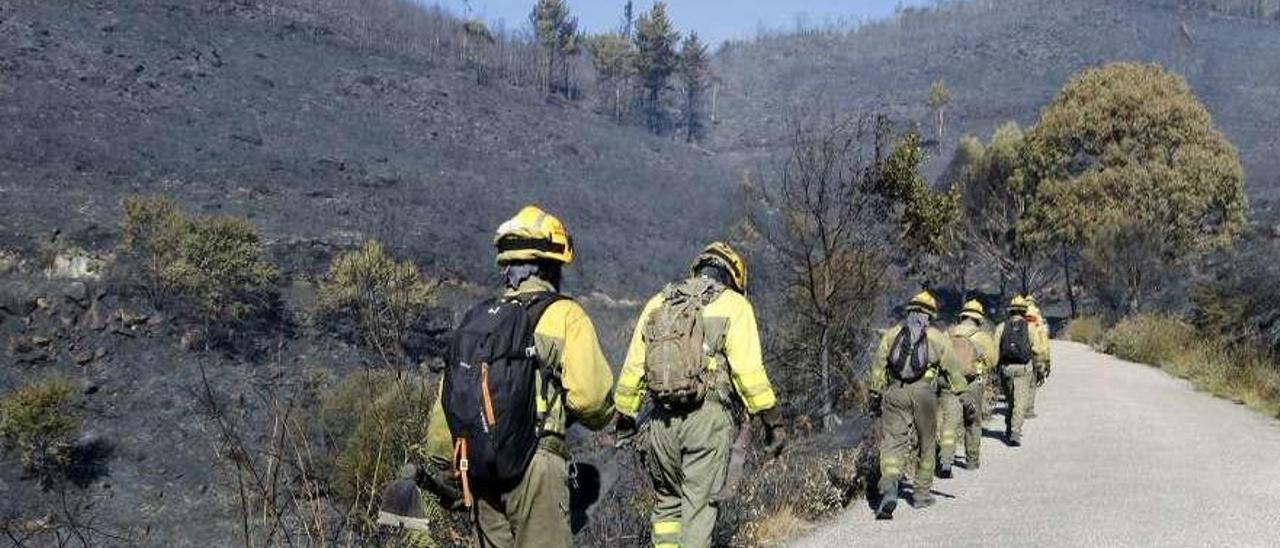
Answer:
(381, 295)
(218, 263)
(150, 231)
(376, 420)
(38, 424)
(1086, 329)
(1150, 339)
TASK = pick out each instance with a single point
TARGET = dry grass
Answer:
(1087, 329)
(781, 498)
(776, 528)
(1239, 372)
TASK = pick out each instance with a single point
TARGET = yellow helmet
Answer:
(1018, 304)
(531, 235)
(973, 309)
(924, 301)
(1031, 300)
(721, 254)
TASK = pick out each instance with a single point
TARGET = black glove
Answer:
(775, 434)
(436, 476)
(625, 430)
(875, 404)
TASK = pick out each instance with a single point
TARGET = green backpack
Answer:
(676, 355)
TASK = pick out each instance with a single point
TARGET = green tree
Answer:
(655, 61)
(557, 32)
(695, 73)
(924, 216)
(1129, 145)
(939, 99)
(612, 57)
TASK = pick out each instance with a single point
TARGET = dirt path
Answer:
(1121, 455)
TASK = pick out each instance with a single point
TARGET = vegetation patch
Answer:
(216, 265)
(781, 498)
(38, 426)
(1086, 329)
(382, 296)
(375, 420)
(1239, 371)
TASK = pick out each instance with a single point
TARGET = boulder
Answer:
(76, 292)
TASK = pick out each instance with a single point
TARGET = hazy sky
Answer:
(715, 20)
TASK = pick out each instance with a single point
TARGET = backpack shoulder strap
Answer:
(536, 304)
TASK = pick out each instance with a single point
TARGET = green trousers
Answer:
(1017, 380)
(533, 515)
(908, 418)
(687, 455)
(961, 420)
(1037, 380)
(949, 426)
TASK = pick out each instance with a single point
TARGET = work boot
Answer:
(921, 501)
(944, 471)
(1015, 440)
(971, 464)
(888, 503)
(1030, 414)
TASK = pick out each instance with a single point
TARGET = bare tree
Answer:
(830, 233)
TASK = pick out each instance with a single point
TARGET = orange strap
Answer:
(489, 415)
(461, 465)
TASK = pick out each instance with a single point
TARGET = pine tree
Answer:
(628, 20)
(557, 32)
(655, 60)
(695, 71)
(611, 55)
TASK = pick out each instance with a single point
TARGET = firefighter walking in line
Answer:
(695, 354)
(912, 361)
(963, 414)
(519, 370)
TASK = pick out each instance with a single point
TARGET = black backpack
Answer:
(905, 363)
(490, 396)
(1015, 342)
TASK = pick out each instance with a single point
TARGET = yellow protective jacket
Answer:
(566, 341)
(942, 362)
(734, 344)
(982, 340)
(1039, 339)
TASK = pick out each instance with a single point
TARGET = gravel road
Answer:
(1121, 455)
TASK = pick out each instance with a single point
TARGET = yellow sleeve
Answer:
(879, 363)
(631, 387)
(1040, 341)
(948, 362)
(996, 340)
(587, 378)
(746, 361)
